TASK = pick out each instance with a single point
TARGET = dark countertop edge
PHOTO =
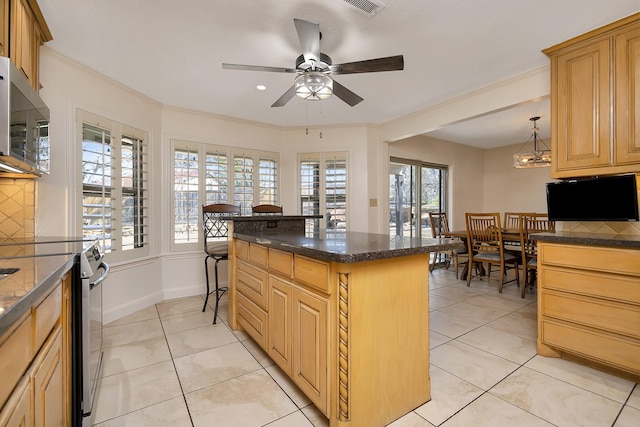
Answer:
(269, 217)
(271, 241)
(629, 241)
(34, 296)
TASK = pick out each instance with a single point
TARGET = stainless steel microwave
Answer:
(24, 124)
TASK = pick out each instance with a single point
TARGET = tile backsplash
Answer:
(601, 227)
(17, 207)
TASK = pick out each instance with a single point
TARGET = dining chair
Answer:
(533, 223)
(216, 245)
(512, 223)
(439, 228)
(266, 209)
(484, 236)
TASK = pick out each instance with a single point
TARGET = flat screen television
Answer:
(608, 198)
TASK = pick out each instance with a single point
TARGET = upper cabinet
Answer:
(22, 31)
(595, 93)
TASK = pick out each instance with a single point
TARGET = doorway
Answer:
(415, 189)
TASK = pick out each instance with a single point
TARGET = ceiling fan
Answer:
(314, 69)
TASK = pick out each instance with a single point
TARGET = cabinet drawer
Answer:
(619, 261)
(252, 283)
(311, 272)
(610, 316)
(620, 288)
(242, 250)
(253, 319)
(281, 262)
(622, 353)
(45, 317)
(258, 255)
(15, 356)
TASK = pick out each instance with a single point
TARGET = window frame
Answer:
(229, 194)
(119, 250)
(323, 158)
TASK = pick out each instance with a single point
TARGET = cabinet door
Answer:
(4, 27)
(48, 384)
(65, 322)
(22, 38)
(310, 324)
(17, 412)
(279, 342)
(582, 112)
(627, 92)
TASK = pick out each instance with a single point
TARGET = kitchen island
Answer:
(589, 299)
(345, 315)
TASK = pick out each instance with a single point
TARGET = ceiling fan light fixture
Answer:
(313, 85)
(539, 157)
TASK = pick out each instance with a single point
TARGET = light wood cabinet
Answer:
(17, 412)
(589, 304)
(48, 384)
(280, 306)
(4, 27)
(35, 364)
(26, 30)
(354, 337)
(595, 90)
(310, 323)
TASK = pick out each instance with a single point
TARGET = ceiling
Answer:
(172, 51)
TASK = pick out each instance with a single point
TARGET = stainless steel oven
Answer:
(87, 360)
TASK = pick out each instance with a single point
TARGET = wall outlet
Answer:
(373, 203)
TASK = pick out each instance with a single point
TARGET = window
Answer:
(415, 189)
(115, 186)
(185, 190)
(323, 190)
(267, 180)
(204, 174)
(216, 178)
(243, 182)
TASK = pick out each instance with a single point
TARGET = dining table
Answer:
(509, 236)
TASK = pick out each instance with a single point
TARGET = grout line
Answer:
(166, 341)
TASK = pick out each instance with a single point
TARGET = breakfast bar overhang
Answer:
(344, 314)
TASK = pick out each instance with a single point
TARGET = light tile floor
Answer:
(167, 365)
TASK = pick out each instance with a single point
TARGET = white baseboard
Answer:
(131, 307)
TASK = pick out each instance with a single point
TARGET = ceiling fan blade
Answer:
(258, 68)
(309, 35)
(286, 97)
(389, 63)
(345, 94)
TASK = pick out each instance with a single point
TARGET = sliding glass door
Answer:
(415, 189)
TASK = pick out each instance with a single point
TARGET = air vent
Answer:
(368, 7)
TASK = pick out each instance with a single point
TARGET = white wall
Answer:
(67, 86)
(465, 171)
(507, 189)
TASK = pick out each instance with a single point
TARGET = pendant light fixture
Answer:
(538, 158)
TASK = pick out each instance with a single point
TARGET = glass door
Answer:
(415, 189)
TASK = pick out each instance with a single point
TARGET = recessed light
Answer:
(261, 87)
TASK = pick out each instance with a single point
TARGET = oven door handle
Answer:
(103, 276)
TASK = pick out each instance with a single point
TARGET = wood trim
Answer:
(629, 20)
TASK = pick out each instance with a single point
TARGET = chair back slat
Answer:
(484, 233)
(513, 220)
(533, 223)
(439, 224)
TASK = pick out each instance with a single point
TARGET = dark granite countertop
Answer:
(35, 278)
(268, 217)
(629, 241)
(350, 246)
